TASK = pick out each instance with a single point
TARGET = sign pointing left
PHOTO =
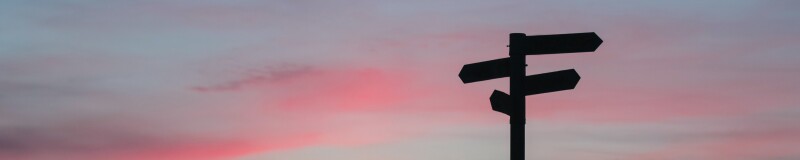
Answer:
(485, 70)
(501, 102)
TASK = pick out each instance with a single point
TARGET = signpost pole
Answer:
(517, 116)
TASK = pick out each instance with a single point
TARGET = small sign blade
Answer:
(501, 102)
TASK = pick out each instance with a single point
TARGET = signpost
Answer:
(520, 45)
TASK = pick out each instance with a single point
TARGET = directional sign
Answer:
(513, 104)
(501, 102)
(551, 82)
(558, 43)
(486, 70)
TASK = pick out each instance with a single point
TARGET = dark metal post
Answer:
(516, 87)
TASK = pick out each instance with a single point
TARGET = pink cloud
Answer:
(359, 89)
(306, 88)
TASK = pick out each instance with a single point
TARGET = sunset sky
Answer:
(377, 80)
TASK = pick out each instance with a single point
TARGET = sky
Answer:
(377, 80)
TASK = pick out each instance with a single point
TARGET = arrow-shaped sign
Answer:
(501, 102)
(558, 43)
(485, 70)
(537, 84)
(551, 82)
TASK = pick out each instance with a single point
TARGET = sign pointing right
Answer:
(559, 43)
(551, 82)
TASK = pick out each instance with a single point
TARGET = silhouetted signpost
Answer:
(520, 45)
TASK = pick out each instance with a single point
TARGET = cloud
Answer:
(101, 141)
(262, 76)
